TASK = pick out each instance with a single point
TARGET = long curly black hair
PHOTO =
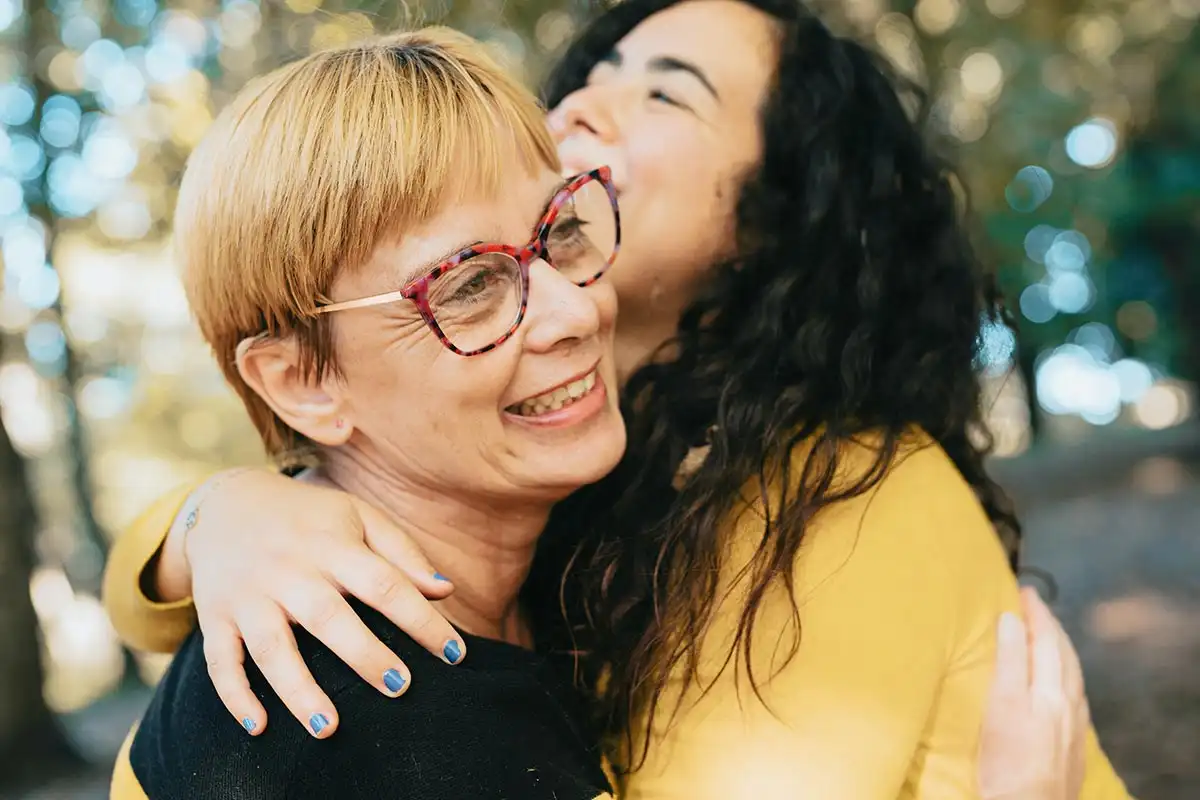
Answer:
(853, 306)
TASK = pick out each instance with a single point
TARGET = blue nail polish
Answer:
(452, 652)
(437, 576)
(393, 680)
(249, 725)
(318, 723)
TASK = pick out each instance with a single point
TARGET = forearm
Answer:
(168, 573)
(141, 617)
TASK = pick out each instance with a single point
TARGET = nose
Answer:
(560, 315)
(587, 112)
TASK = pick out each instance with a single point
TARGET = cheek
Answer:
(440, 412)
(678, 220)
(383, 367)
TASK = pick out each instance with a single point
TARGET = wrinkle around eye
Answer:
(402, 325)
(405, 334)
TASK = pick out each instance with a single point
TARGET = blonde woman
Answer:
(376, 294)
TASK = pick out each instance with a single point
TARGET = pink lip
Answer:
(583, 409)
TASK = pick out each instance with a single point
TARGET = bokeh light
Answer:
(1093, 143)
(1030, 187)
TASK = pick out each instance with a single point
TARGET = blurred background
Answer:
(1077, 123)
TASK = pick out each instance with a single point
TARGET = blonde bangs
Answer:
(313, 166)
(399, 130)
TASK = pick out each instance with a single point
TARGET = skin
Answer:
(674, 114)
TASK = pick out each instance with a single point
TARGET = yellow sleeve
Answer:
(140, 621)
(982, 587)
(124, 784)
(899, 592)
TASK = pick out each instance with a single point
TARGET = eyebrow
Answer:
(420, 270)
(664, 64)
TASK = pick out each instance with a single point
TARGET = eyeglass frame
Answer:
(416, 291)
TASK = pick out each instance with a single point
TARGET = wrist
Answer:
(173, 574)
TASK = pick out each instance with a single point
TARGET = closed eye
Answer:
(658, 95)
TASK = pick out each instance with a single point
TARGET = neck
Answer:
(484, 545)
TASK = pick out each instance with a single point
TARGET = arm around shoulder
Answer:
(140, 620)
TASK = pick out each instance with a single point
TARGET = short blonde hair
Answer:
(314, 165)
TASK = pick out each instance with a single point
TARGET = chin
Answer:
(586, 461)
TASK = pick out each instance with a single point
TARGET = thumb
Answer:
(396, 547)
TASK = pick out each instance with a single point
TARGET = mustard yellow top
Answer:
(899, 595)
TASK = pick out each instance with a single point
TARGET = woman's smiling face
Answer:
(674, 111)
(534, 418)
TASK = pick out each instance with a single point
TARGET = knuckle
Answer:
(339, 517)
(295, 691)
(1057, 705)
(321, 534)
(325, 611)
(387, 587)
(426, 625)
(217, 657)
(266, 647)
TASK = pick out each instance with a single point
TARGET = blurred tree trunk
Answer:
(85, 563)
(32, 745)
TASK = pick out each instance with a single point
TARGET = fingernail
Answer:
(318, 723)
(437, 576)
(394, 681)
(1010, 628)
(249, 725)
(452, 652)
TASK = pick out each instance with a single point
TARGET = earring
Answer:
(339, 423)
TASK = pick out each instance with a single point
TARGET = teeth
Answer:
(554, 400)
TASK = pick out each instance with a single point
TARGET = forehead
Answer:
(465, 218)
(733, 43)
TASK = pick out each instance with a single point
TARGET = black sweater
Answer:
(501, 724)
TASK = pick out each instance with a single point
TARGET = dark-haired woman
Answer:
(791, 585)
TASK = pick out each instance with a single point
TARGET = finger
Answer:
(397, 548)
(1072, 668)
(1073, 684)
(322, 611)
(225, 657)
(269, 640)
(389, 591)
(1012, 657)
(1047, 658)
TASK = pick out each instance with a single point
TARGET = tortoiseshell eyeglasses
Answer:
(475, 300)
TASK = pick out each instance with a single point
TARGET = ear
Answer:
(315, 407)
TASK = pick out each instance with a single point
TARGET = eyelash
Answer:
(658, 94)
